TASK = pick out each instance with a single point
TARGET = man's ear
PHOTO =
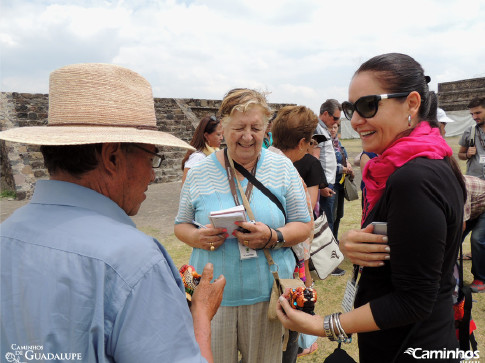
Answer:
(112, 157)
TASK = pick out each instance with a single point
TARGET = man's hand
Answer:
(472, 150)
(205, 301)
(208, 296)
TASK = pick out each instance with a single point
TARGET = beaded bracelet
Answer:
(270, 236)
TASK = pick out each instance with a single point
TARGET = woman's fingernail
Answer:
(233, 233)
(236, 223)
(381, 263)
(281, 298)
(385, 239)
(387, 257)
(387, 249)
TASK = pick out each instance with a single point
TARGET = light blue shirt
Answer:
(77, 277)
(207, 189)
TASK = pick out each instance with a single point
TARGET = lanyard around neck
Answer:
(231, 176)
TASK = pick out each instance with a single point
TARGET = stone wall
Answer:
(455, 96)
(22, 165)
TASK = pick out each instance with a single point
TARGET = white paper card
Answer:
(349, 296)
(246, 252)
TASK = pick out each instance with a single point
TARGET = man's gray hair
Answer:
(330, 106)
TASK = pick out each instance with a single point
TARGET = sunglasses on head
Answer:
(367, 106)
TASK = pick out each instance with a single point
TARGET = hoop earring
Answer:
(409, 120)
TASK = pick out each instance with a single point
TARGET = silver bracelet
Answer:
(329, 333)
(342, 337)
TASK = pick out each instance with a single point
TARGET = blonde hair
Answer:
(243, 99)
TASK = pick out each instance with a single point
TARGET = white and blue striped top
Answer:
(207, 189)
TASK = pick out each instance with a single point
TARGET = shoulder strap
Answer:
(472, 132)
(259, 185)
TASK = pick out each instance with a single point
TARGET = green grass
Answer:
(8, 194)
(331, 290)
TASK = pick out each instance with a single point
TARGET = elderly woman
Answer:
(404, 295)
(206, 139)
(242, 323)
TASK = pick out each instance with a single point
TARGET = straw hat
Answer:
(96, 103)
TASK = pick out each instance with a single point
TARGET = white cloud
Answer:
(301, 51)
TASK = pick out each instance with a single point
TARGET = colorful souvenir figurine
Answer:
(303, 299)
(191, 279)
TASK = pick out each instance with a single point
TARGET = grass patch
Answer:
(330, 291)
(8, 194)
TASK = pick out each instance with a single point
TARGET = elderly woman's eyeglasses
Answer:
(367, 106)
(157, 158)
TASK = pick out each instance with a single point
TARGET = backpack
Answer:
(464, 323)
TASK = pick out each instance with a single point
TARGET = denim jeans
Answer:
(477, 241)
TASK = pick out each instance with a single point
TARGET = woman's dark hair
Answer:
(73, 159)
(207, 124)
(398, 72)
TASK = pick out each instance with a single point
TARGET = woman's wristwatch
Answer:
(280, 241)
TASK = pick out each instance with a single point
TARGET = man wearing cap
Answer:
(77, 278)
(472, 142)
(443, 120)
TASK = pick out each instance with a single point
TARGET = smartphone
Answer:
(380, 228)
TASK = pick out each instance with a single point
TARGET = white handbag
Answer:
(325, 254)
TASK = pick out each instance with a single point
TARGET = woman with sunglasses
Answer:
(207, 138)
(405, 280)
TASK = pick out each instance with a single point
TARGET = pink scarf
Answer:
(423, 142)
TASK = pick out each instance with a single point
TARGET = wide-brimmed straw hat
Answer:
(97, 103)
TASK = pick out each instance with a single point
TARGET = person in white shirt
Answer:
(207, 138)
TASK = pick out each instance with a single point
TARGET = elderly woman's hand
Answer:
(364, 248)
(259, 235)
(210, 238)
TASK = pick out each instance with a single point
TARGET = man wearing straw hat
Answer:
(78, 280)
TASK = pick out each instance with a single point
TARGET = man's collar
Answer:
(56, 192)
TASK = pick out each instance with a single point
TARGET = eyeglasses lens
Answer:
(157, 160)
(348, 109)
(367, 106)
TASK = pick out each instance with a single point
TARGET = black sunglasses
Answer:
(335, 118)
(367, 106)
(157, 158)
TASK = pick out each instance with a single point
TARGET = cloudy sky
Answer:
(301, 51)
